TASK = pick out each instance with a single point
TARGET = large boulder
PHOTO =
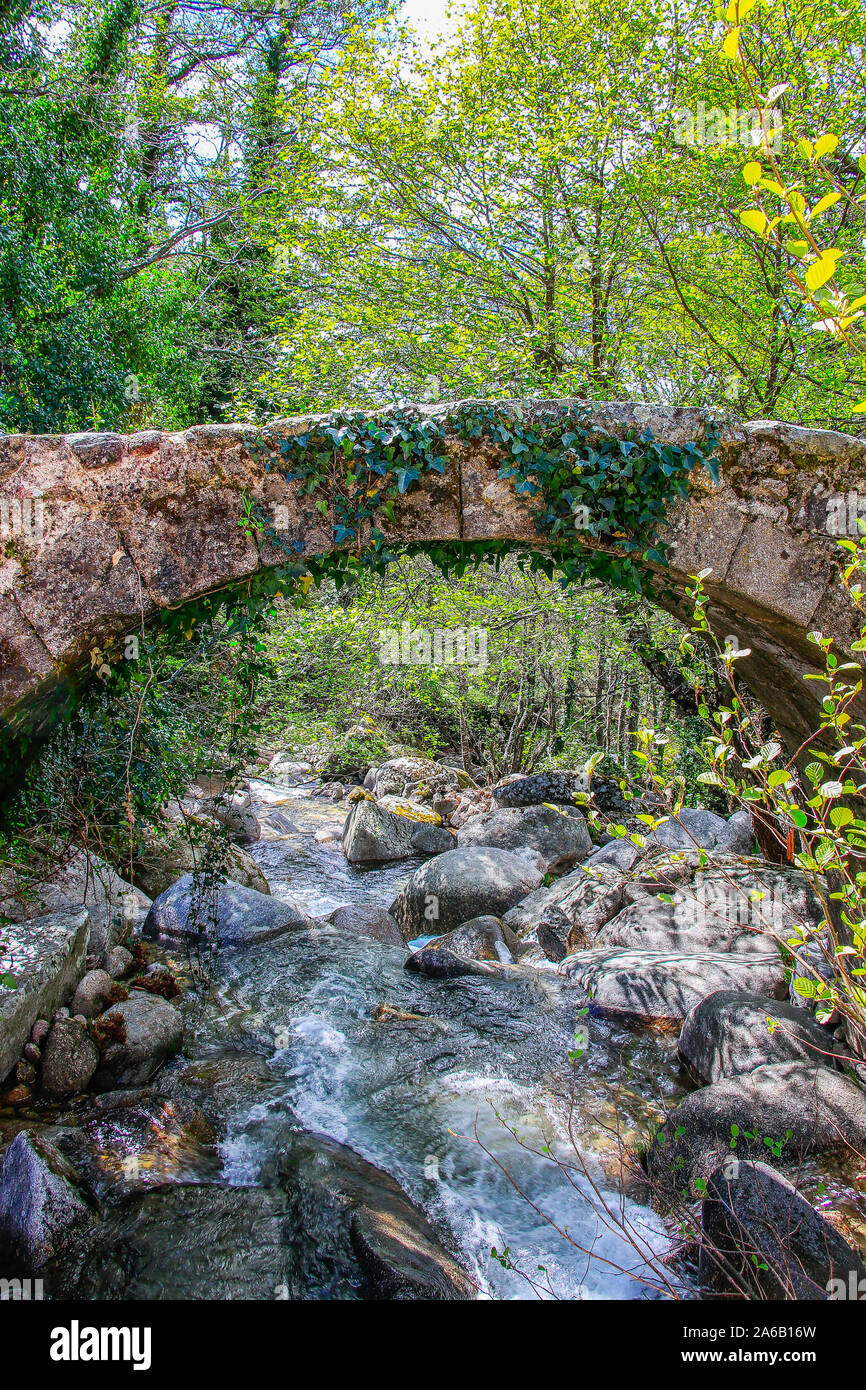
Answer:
(482, 940)
(83, 880)
(46, 957)
(691, 829)
(459, 885)
(374, 833)
(661, 986)
(43, 1208)
(561, 839)
(69, 1060)
(730, 1033)
(374, 922)
(760, 1234)
(586, 898)
(779, 1113)
(397, 774)
(227, 913)
(162, 859)
(559, 787)
(353, 1216)
(150, 1030)
(738, 837)
(682, 925)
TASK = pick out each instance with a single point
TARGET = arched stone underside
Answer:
(132, 524)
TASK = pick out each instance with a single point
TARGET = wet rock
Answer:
(771, 1239)
(92, 994)
(69, 1060)
(48, 954)
(226, 912)
(188, 1241)
(800, 1109)
(374, 922)
(730, 1033)
(357, 1230)
(118, 962)
(462, 884)
(483, 939)
(40, 1030)
(43, 1207)
(560, 839)
(153, 1030)
(655, 986)
(25, 1073)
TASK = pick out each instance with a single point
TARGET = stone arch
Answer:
(103, 530)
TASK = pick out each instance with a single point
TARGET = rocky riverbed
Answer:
(577, 1035)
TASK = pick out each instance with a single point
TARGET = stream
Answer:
(460, 1089)
(424, 1097)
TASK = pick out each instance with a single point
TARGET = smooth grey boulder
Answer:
(800, 1109)
(730, 1033)
(619, 853)
(462, 884)
(69, 1060)
(225, 912)
(153, 1031)
(374, 922)
(738, 836)
(374, 834)
(237, 817)
(431, 839)
(651, 986)
(91, 996)
(692, 829)
(43, 1206)
(756, 1227)
(46, 956)
(561, 840)
(483, 940)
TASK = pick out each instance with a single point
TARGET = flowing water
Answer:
(455, 1087)
(461, 1090)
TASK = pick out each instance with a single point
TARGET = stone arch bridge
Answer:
(99, 531)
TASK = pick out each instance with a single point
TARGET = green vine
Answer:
(603, 498)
